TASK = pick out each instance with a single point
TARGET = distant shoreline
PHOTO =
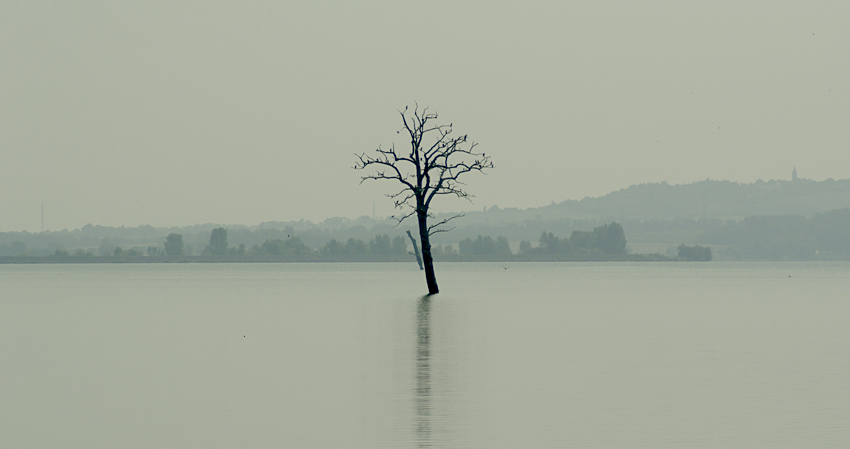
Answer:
(27, 260)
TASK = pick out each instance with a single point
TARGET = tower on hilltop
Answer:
(794, 174)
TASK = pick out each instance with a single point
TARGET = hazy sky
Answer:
(177, 113)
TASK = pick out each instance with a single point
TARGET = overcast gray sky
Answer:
(177, 113)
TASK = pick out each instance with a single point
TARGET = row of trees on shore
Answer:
(603, 241)
(609, 239)
(824, 236)
(381, 244)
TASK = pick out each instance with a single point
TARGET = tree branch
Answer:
(427, 170)
(433, 229)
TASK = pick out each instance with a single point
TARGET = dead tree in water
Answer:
(431, 167)
(416, 250)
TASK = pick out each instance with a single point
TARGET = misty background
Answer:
(175, 114)
(796, 219)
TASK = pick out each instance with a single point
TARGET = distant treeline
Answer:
(825, 236)
(695, 253)
(606, 242)
(147, 240)
(344, 236)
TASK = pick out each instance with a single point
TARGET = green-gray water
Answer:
(536, 355)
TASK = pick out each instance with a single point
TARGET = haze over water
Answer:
(347, 355)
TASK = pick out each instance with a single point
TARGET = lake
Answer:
(519, 355)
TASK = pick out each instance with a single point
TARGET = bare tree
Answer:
(431, 167)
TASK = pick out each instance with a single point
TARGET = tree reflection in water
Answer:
(422, 400)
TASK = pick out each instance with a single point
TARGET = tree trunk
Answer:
(427, 260)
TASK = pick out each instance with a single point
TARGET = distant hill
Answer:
(717, 199)
(704, 199)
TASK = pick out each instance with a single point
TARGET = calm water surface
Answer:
(651, 355)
